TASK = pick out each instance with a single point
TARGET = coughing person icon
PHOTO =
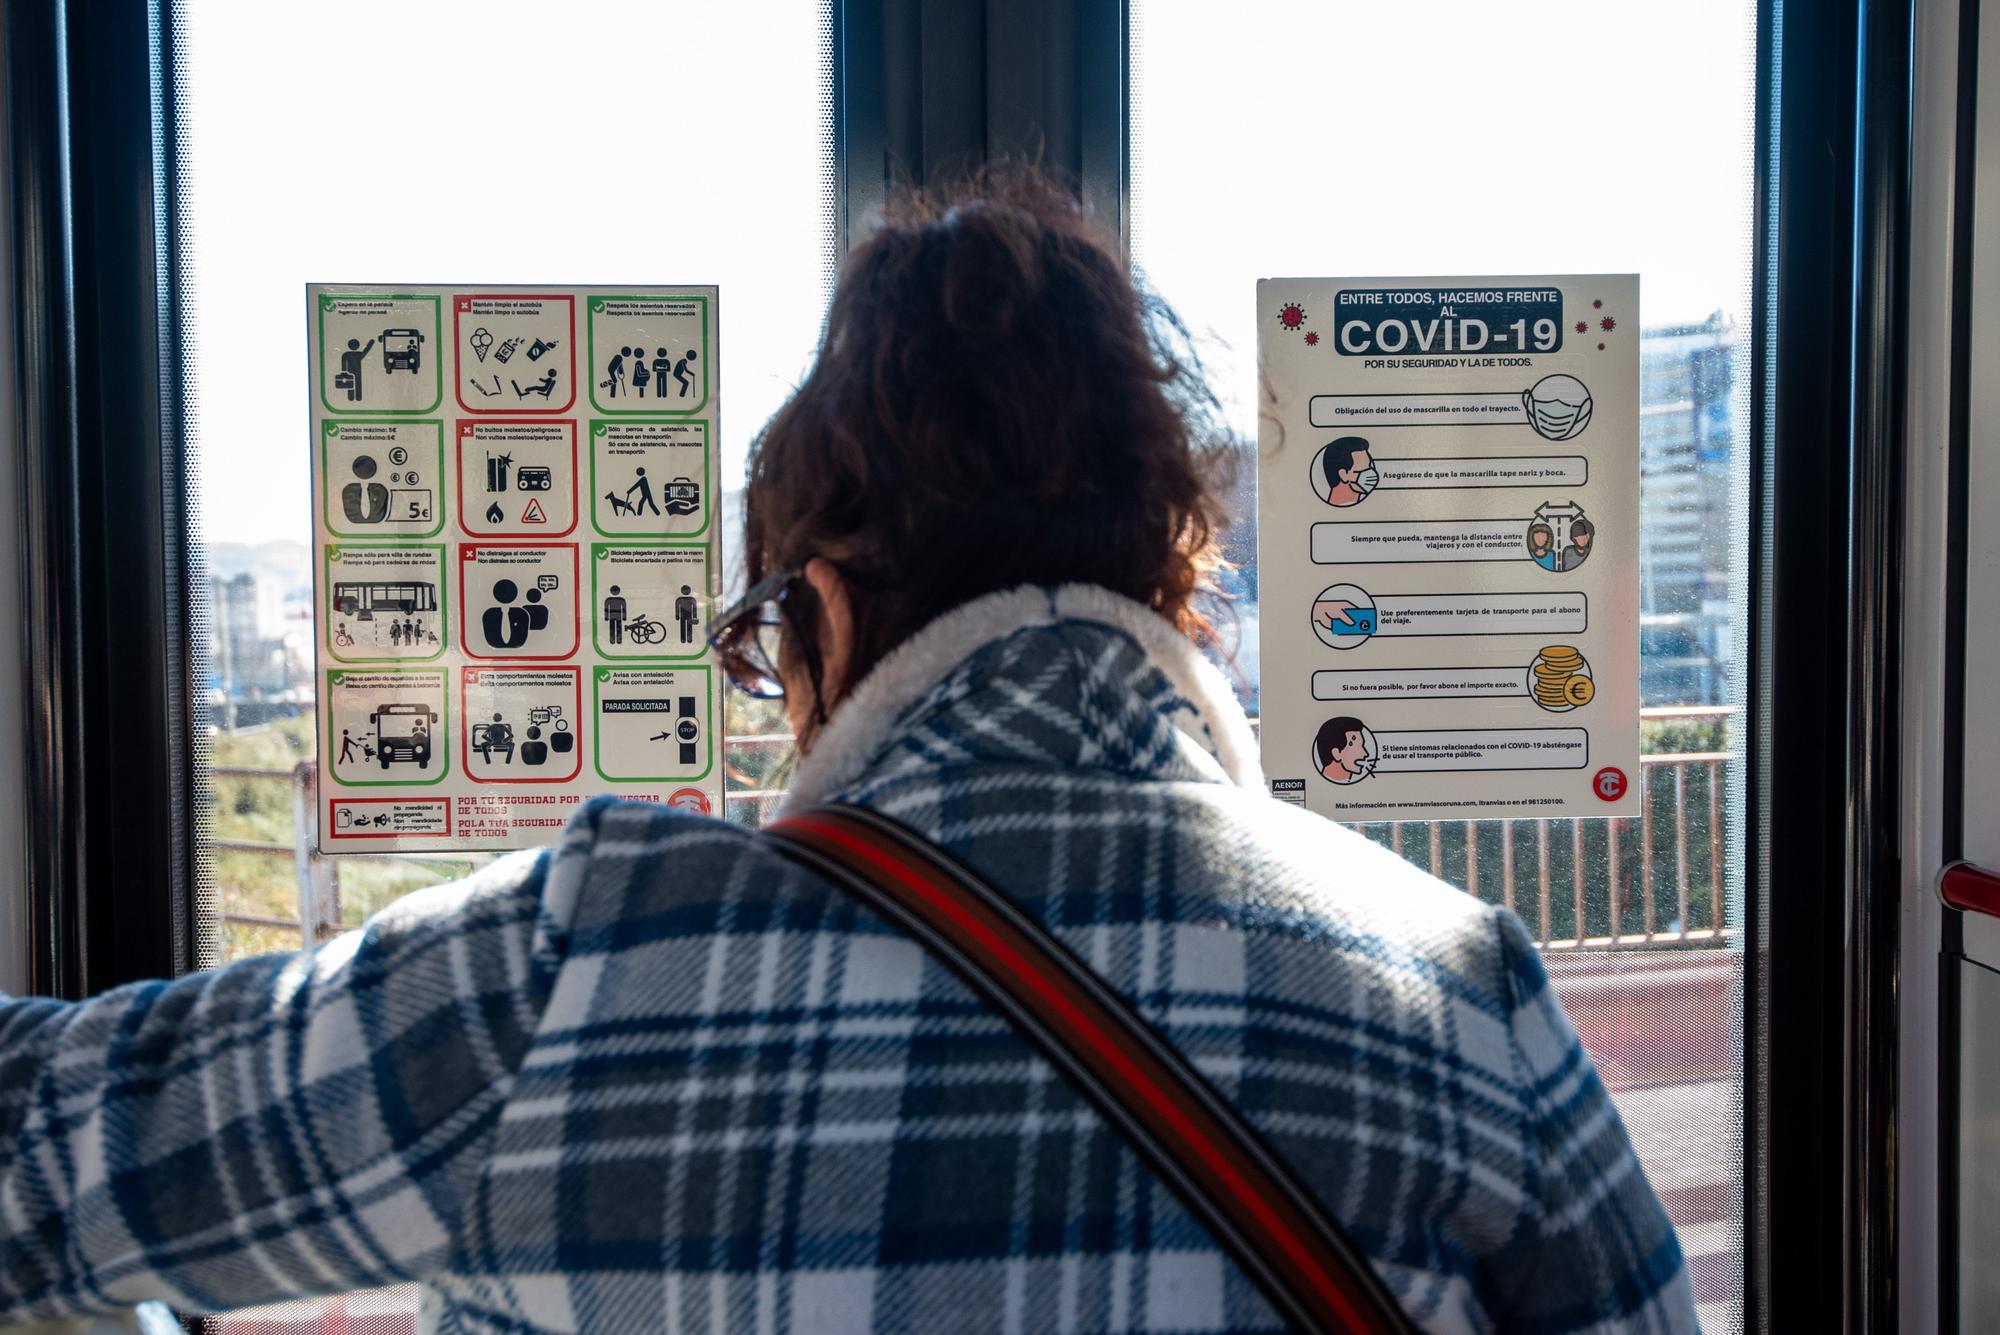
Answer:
(1344, 750)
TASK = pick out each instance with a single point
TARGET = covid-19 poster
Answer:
(1448, 551)
(515, 540)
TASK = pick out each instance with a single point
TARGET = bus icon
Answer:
(402, 350)
(403, 734)
(362, 599)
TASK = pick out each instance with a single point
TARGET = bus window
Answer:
(1305, 136)
(602, 167)
(1764, 960)
(598, 160)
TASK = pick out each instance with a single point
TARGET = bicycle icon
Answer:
(642, 629)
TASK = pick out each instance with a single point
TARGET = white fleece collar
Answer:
(864, 725)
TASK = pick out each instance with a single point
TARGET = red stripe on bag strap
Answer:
(1201, 1146)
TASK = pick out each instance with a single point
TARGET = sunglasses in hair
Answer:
(748, 636)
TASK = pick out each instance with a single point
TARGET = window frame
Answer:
(1824, 753)
(928, 90)
(111, 592)
(110, 668)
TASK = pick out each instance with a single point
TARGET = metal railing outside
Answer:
(1657, 881)
(317, 876)
(1678, 881)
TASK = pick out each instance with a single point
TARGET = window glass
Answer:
(448, 142)
(496, 142)
(1558, 137)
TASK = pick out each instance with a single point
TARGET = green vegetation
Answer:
(1684, 736)
(261, 885)
(264, 884)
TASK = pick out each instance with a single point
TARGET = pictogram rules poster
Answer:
(1448, 551)
(514, 521)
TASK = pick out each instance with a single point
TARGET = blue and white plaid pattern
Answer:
(663, 1079)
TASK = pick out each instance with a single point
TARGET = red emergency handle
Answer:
(1974, 889)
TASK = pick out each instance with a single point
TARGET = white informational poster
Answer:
(514, 515)
(1448, 557)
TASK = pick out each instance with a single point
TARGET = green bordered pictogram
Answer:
(599, 306)
(440, 743)
(329, 300)
(434, 460)
(602, 677)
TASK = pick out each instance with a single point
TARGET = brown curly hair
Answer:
(995, 403)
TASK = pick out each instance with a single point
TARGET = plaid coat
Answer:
(661, 1079)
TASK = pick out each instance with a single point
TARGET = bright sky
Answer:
(399, 141)
(420, 141)
(1447, 137)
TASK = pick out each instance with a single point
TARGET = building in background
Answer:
(260, 642)
(1687, 380)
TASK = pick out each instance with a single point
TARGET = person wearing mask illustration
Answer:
(1350, 471)
(1581, 534)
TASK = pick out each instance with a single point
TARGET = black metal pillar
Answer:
(932, 88)
(103, 522)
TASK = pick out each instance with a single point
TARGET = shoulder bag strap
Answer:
(1187, 1133)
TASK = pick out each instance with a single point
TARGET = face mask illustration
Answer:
(1558, 406)
(1366, 480)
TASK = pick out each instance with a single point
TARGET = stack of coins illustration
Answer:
(1559, 679)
